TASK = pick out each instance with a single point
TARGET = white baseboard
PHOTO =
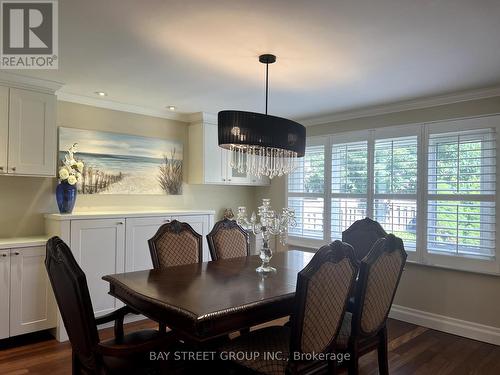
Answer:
(447, 324)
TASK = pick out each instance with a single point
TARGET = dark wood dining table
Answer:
(206, 300)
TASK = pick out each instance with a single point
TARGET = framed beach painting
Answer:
(124, 164)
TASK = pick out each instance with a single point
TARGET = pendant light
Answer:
(261, 144)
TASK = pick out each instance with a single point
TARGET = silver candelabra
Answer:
(269, 224)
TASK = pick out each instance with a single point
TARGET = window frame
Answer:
(422, 130)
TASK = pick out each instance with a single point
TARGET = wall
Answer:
(24, 200)
(461, 295)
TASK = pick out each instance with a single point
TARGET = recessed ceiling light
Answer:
(172, 107)
(101, 93)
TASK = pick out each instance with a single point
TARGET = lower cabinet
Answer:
(138, 232)
(110, 245)
(28, 304)
(99, 248)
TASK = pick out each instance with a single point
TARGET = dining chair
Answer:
(175, 244)
(362, 235)
(364, 329)
(125, 354)
(228, 240)
(323, 288)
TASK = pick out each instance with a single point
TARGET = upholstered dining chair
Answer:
(228, 240)
(175, 244)
(125, 354)
(362, 235)
(364, 329)
(323, 288)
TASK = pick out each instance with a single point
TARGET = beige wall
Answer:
(462, 295)
(24, 200)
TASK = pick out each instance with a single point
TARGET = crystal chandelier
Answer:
(261, 144)
(269, 224)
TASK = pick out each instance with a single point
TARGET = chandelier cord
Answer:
(267, 83)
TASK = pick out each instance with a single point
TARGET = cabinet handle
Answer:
(1, 169)
(223, 179)
(120, 223)
(4, 255)
(229, 179)
(17, 253)
(13, 169)
(166, 221)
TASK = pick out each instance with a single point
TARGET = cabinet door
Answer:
(32, 133)
(32, 303)
(138, 232)
(99, 249)
(200, 225)
(4, 127)
(212, 158)
(4, 293)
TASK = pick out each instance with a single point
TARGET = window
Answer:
(461, 207)
(432, 185)
(395, 187)
(306, 193)
(349, 185)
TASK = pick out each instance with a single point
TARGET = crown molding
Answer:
(204, 117)
(405, 105)
(29, 83)
(123, 107)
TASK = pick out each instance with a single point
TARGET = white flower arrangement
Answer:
(71, 170)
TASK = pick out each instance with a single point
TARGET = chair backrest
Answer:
(228, 240)
(323, 289)
(174, 244)
(379, 275)
(73, 299)
(362, 235)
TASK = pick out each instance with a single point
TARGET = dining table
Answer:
(203, 301)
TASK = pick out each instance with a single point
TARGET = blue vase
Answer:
(66, 197)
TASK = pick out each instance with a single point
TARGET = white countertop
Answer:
(16, 242)
(125, 213)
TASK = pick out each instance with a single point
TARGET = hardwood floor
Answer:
(412, 350)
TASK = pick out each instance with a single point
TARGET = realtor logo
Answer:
(29, 34)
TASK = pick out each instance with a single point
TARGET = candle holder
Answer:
(269, 223)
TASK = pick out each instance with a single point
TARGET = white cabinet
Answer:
(104, 244)
(32, 133)
(4, 293)
(209, 163)
(99, 248)
(27, 132)
(27, 303)
(138, 231)
(4, 128)
(32, 306)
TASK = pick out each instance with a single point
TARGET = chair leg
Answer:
(75, 370)
(352, 368)
(383, 361)
(162, 327)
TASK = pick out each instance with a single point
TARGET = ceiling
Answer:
(333, 55)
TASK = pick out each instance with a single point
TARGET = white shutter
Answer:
(461, 188)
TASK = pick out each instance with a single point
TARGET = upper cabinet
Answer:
(210, 164)
(28, 140)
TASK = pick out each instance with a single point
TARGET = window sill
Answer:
(490, 268)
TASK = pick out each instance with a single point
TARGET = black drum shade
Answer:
(260, 130)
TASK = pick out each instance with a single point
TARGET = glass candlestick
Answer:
(268, 224)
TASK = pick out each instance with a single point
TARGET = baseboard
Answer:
(447, 324)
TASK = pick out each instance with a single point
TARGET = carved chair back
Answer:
(228, 240)
(362, 235)
(379, 275)
(73, 299)
(323, 289)
(174, 244)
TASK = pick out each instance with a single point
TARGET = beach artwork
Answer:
(124, 164)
